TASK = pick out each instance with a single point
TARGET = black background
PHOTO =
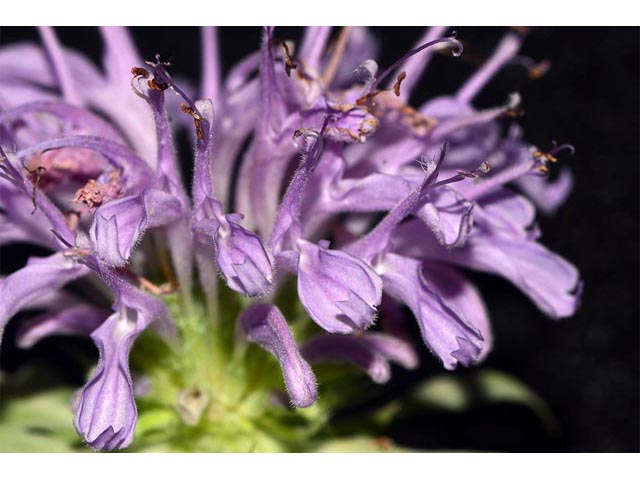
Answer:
(585, 367)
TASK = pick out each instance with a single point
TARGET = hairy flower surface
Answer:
(318, 193)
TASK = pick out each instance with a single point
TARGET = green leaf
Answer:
(41, 422)
(16, 439)
(457, 393)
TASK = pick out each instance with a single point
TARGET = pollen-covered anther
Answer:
(94, 194)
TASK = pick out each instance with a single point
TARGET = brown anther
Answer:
(139, 72)
(189, 110)
(153, 85)
(363, 100)
(539, 69)
(197, 119)
(299, 132)
(544, 169)
(396, 86)
(288, 62)
(36, 175)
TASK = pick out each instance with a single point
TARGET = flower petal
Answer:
(38, 277)
(76, 320)
(264, 324)
(450, 337)
(339, 291)
(347, 349)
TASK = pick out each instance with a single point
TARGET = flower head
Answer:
(405, 195)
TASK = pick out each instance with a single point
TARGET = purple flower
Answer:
(334, 151)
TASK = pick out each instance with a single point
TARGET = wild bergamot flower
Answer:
(319, 196)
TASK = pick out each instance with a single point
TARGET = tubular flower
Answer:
(346, 202)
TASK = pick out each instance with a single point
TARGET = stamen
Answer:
(94, 194)
(310, 134)
(482, 169)
(396, 86)
(456, 52)
(543, 158)
(197, 118)
(161, 81)
(36, 175)
(139, 72)
(72, 251)
(368, 97)
(288, 62)
(61, 238)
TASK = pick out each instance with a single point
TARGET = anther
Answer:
(140, 72)
(543, 158)
(539, 69)
(197, 118)
(456, 51)
(396, 86)
(36, 175)
(288, 62)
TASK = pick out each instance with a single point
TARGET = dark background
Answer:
(585, 367)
